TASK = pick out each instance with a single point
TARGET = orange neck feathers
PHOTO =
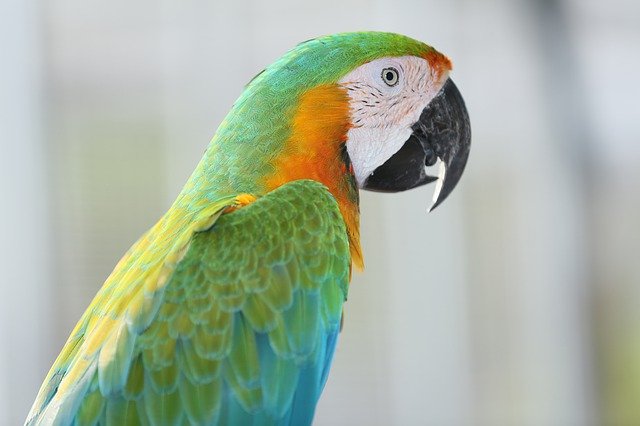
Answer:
(315, 150)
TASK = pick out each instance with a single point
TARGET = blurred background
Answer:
(517, 302)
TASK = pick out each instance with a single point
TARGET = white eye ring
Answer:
(390, 76)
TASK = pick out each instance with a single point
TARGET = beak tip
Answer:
(434, 205)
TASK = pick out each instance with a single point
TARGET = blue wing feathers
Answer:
(298, 390)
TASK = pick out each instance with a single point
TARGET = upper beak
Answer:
(442, 132)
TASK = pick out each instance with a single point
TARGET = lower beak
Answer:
(442, 132)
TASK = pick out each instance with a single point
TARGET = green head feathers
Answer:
(326, 59)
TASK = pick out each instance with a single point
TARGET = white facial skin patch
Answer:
(386, 97)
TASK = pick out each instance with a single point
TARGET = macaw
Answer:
(227, 311)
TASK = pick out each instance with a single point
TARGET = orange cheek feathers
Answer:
(319, 128)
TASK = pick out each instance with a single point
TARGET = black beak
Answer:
(443, 131)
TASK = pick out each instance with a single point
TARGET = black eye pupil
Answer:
(390, 76)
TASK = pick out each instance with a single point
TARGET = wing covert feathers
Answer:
(227, 315)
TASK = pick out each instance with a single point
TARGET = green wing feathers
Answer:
(213, 317)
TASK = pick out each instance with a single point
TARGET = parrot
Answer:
(227, 311)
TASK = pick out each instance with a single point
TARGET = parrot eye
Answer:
(390, 76)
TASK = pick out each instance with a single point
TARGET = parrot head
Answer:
(385, 98)
(363, 110)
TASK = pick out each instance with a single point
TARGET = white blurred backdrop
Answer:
(515, 303)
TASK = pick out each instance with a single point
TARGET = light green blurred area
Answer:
(517, 302)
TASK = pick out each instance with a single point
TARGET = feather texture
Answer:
(241, 332)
